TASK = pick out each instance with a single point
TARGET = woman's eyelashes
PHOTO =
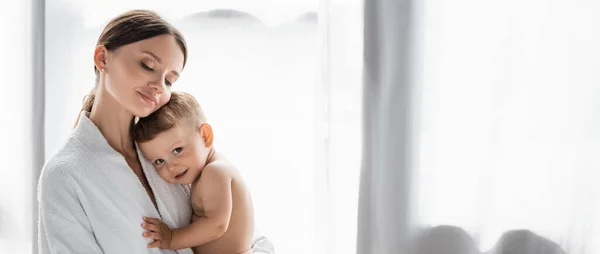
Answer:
(146, 67)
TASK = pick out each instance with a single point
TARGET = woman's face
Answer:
(139, 75)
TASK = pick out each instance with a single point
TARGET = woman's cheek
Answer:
(165, 98)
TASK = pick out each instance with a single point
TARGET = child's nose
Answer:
(173, 167)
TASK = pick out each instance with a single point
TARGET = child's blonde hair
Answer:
(182, 108)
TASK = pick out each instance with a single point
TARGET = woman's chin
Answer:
(143, 112)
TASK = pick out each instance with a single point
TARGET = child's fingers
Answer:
(152, 220)
(153, 235)
(151, 227)
(154, 244)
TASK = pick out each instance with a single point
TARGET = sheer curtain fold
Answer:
(384, 211)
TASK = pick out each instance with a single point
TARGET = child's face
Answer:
(178, 154)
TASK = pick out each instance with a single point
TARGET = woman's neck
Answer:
(114, 122)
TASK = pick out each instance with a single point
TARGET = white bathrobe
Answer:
(90, 201)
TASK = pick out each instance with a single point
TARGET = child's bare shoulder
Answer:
(218, 169)
(214, 172)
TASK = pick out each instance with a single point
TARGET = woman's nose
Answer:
(158, 85)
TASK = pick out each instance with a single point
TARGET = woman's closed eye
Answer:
(177, 150)
(146, 67)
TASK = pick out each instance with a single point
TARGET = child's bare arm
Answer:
(214, 192)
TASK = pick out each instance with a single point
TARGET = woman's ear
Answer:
(207, 134)
(100, 54)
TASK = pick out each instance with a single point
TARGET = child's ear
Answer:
(207, 134)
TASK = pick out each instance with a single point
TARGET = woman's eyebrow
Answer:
(159, 61)
(153, 55)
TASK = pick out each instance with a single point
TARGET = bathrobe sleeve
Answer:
(63, 226)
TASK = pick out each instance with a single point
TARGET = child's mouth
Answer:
(180, 175)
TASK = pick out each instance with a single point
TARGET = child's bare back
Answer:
(216, 180)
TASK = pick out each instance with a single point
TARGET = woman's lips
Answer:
(149, 99)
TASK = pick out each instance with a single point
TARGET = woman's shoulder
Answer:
(70, 156)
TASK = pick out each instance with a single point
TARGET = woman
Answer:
(95, 191)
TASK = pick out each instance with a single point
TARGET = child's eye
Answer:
(159, 162)
(177, 150)
(168, 83)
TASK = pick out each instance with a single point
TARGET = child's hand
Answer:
(159, 231)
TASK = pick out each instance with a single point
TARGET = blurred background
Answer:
(463, 125)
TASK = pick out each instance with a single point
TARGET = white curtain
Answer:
(21, 124)
(481, 127)
(340, 23)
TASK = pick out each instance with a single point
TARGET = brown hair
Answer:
(181, 109)
(130, 27)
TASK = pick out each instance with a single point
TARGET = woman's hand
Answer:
(159, 231)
